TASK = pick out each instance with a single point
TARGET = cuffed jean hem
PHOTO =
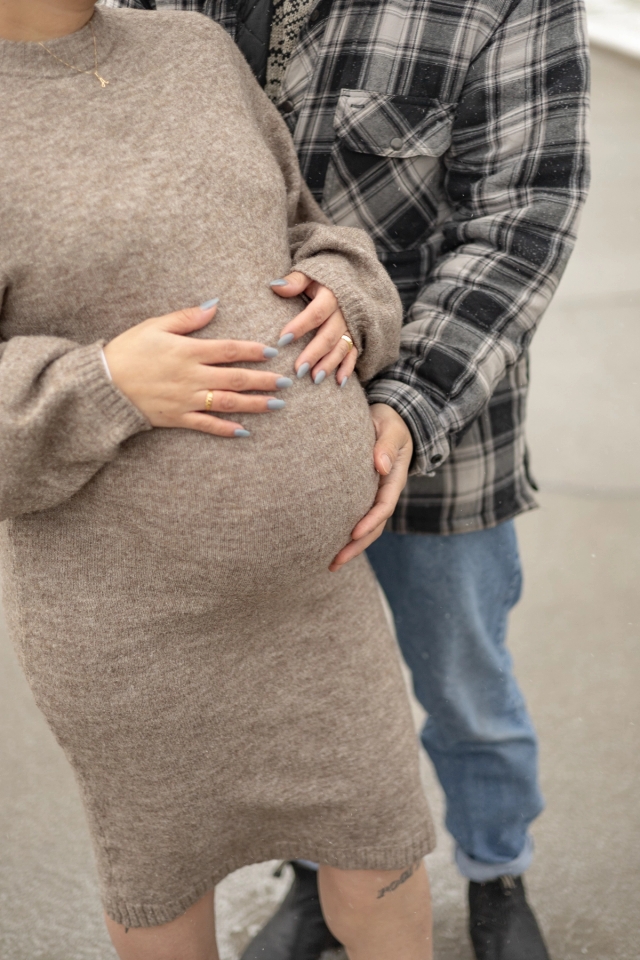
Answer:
(485, 872)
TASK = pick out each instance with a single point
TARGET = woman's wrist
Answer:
(106, 365)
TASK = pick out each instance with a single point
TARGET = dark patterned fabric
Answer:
(453, 131)
(288, 18)
(253, 30)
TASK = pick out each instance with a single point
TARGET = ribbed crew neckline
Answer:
(28, 59)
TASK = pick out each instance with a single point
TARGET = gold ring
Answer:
(209, 401)
(345, 336)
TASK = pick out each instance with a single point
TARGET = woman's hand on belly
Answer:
(173, 379)
(329, 350)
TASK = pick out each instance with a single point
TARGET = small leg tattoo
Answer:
(409, 872)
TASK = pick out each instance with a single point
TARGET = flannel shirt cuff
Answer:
(430, 444)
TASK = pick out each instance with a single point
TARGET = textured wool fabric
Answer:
(221, 696)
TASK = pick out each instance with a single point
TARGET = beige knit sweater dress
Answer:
(222, 697)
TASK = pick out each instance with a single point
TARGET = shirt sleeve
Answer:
(516, 176)
(61, 420)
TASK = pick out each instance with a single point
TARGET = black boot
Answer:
(297, 930)
(501, 922)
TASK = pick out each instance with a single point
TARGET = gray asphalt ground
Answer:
(575, 636)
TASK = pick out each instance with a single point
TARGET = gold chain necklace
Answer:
(94, 72)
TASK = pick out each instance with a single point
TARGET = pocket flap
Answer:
(392, 126)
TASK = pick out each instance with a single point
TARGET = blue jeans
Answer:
(450, 597)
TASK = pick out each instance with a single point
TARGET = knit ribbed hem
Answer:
(430, 444)
(321, 269)
(117, 418)
(329, 270)
(396, 857)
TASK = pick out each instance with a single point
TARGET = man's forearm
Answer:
(517, 176)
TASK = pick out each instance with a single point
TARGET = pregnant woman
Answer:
(223, 697)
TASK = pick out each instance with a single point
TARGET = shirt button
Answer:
(396, 143)
(436, 459)
(315, 16)
(287, 107)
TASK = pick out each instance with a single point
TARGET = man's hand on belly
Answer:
(392, 457)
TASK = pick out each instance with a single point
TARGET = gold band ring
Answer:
(345, 336)
(209, 401)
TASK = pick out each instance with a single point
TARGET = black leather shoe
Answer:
(501, 922)
(297, 930)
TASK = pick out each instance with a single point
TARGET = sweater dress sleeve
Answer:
(61, 420)
(343, 259)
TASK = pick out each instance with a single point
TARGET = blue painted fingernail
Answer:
(319, 377)
(343, 382)
(286, 340)
(279, 283)
(283, 382)
(241, 433)
(209, 303)
(304, 369)
(275, 404)
(270, 352)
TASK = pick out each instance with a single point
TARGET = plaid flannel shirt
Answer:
(453, 132)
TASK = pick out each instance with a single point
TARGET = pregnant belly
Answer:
(184, 517)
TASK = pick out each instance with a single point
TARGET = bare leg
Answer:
(379, 914)
(191, 937)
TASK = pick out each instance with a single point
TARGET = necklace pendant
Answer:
(103, 83)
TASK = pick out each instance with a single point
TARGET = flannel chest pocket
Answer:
(392, 126)
(385, 174)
